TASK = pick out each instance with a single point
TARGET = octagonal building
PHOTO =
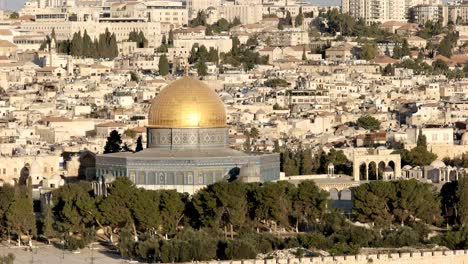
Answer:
(187, 145)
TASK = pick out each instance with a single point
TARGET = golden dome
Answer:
(187, 103)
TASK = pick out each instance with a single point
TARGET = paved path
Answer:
(48, 254)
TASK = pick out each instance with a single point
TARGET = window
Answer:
(189, 178)
(140, 180)
(162, 179)
(151, 179)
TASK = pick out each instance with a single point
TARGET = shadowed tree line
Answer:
(236, 220)
(81, 45)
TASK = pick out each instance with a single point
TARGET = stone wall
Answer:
(430, 257)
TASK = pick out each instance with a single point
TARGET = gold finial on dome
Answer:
(187, 103)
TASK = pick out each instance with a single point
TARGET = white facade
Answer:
(382, 10)
(122, 29)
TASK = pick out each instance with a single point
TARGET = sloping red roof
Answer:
(384, 59)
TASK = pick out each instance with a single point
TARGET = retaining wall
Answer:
(426, 257)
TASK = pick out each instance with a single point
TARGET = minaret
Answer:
(70, 65)
(51, 51)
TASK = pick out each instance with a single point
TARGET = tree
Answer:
(200, 20)
(20, 215)
(143, 42)
(75, 208)
(462, 194)
(221, 205)
(405, 50)
(252, 41)
(47, 229)
(368, 122)
(280, 25)
(163, 65)
(389, 70)
(76, 45)
(139, 146)
(369, 51)
(247, 143)
(87, 46)
(338, 159)
(288, 19)
(134, 77)
(202, 69)
(113, 143)
(450, 202)
(371, 202)
(170, 40)
(116, 209)
(440, 67)
(448, 44)
(254, 133)
(139, 39)
(236, 21)
(304, 54)
(308, 202)
(213, 56)
(14, 15)
(419, 155)
(402, 202)
(276, 82)
(397, 52)
(299, 20)
(171, 208)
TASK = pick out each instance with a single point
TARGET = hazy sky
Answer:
(17, 4)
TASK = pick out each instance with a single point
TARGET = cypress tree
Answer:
(163, 66)
(76, 46)
(213, 55)
(143, 41)
(87, 45)
(101, 47)
(202, 69)
(114, 49)
(193, 54)
(52, 35)
(96, 51)
(299, 20)
(113, 143)
(139, 146)
(171, 38)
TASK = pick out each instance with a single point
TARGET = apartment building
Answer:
(382, 10)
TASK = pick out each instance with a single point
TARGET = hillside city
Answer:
(267, 131)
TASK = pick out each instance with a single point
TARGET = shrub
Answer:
(402, 237)
(314, 240)
(240, 249)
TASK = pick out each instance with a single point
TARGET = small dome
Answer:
(464, 139)
(407, 167)
(437, 164)
(260, 112)
(388, 169)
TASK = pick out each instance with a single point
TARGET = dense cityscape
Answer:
(234, 131)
